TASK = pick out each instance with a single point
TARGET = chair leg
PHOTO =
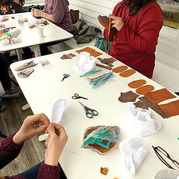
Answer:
(14, 82)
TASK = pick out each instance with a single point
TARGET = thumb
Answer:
(51, 129)
(41, 128)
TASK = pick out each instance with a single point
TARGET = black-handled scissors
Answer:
(65, 76)
(89, 112)
(77, 96)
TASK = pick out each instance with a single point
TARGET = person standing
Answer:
(135, 29)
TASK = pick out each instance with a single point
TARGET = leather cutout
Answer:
(91, 51)
(107, 61)
(140, 104)
(68, 56)
(120, 69)
(172, 108)
(103, 66)
(104, 21)
(128, 97)
(159, 95)
(154, 107)
(145, 89)
(127, 73)
(137, 83)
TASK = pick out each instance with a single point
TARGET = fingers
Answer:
(41, 129)
(41, 119)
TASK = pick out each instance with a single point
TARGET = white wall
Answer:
(90, 9)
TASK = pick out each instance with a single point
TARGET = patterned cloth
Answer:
(7, 8)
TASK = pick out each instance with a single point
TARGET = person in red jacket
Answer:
(12, 145)
(134, 31)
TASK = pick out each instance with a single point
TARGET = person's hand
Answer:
(37, 12)
(55, 143)
(116, 22)
(31, 126)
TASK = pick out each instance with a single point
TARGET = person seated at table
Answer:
(56, 11)
(32, 125)
(11, 7)
(5, 79)
(135, 27)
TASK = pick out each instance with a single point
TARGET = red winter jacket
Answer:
(136, 42)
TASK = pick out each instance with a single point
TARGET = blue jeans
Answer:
(32, 173)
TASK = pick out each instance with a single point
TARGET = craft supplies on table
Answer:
(77, 96)
(89, 112)
(90, 72)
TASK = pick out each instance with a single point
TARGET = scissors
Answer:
(77, 96)
(65, 76)
(89, 112)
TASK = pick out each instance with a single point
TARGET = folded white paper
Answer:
(86, 63)
(57, 112)
(133, 154)
(58, 108)
(140, 119)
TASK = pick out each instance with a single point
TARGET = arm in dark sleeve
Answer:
(8, 151)
(145, 40)
(58, 11)
(48, 171)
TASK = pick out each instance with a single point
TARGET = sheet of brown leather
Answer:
(128, 97)
(145, 89)
(127, 73)
(154, 107)
(136, 83)
(120, 69)
(172, 108)
(159, 95)
(92, 51)
(140, 104)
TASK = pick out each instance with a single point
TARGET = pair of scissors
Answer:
(89, 112)
(65, 76)
(77, 96)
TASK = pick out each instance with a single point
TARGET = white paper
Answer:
(58, 108)
(86, 63)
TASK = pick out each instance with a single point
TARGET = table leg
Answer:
(25, 107)
(36, 50)
(19, 54)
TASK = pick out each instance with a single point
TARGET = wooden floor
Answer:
(10, 121)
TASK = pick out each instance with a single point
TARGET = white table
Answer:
(31, 37)
(44, 87)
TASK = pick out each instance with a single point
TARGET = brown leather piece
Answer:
(103, 66)
(92, 51)
(140, 104)
(128, 97)
(120, 69)
(159, 95)
(127, 73)
(104, 21)
(145, 89)
(68, 56)
(172, 108)
(107, 61)
(137, 83)
(104, 170)
(154, 107)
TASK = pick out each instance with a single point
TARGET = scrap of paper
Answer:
(128, 97)
(26, 65)
(159, 95)
(145, 89)
(137, 83)
(127, 73)
(120, 69)
(67, 56)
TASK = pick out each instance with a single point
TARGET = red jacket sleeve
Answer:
(149, 26)
(8, 151)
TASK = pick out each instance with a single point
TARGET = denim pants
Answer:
(32, 173)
